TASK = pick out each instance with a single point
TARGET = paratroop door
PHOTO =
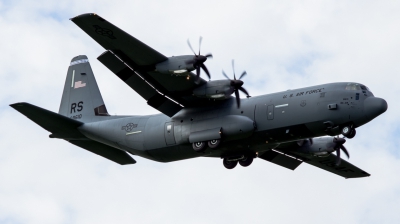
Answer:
(169, 133)
(270, 112)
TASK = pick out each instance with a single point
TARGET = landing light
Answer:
(217, 95)
(179, 71)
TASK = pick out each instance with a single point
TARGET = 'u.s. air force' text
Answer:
(304, 93)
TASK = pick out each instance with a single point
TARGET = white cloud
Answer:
(282, 45)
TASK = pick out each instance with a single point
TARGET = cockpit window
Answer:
(353, 86)
(364, 88)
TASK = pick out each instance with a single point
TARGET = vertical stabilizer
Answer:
(81, 99)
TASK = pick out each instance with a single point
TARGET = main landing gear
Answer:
(201, 146)
(349, 131)
(231, 162)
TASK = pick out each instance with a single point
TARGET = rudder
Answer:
(81, 99)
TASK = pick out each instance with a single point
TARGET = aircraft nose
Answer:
(374, 106)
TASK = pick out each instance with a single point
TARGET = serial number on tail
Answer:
(76, 117)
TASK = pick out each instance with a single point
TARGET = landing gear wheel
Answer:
(346, 131)
(352, 134)
(246, 161)
(230, 164)
(213, 144)
(199, 146)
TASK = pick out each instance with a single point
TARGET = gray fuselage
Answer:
(261, 123)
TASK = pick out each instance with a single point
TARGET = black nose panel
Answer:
(374, 106)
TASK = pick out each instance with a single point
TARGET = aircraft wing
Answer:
(291, 160)
(345, 169)
(112, 38)
(134, 63)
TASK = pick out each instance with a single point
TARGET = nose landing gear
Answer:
(349, 131)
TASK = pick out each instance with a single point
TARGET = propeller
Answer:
(339, 146)
(198, 60)
(237, 84)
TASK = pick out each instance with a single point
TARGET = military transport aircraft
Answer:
(200, 118)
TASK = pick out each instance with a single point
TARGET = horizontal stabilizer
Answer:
(52, 122)
(105, 151)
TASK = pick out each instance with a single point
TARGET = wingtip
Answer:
(20, 104)
(83, 15)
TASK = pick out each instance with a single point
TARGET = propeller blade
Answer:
(197, 72)
(338, 160)
(345, 151)
(191, 47)
(205, 70)
(243, 74)
(225, 75)
(200, 39)
(233, 69)
(243, 90)
(208, 55)
(237, 98)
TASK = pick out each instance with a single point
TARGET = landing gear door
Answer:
(270, 112)
(169, 133)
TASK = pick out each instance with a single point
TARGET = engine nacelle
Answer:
(176, 65)
(218, 89)
(320, 146)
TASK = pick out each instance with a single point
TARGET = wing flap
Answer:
(280, 159)
(127, 75)
(142, 87)
(105, 151)
(112, 38)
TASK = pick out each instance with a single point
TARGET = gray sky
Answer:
(282, 45)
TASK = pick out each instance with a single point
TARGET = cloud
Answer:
(282, 45)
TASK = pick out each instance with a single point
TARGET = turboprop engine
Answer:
(176, 65)
(322, 147)
(181, 65)
(218, 90)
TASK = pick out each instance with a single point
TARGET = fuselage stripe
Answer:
(134, 132)
(282, 105)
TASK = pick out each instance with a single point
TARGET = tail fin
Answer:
(81, 99)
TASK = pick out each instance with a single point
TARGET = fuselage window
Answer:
(169, 127)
